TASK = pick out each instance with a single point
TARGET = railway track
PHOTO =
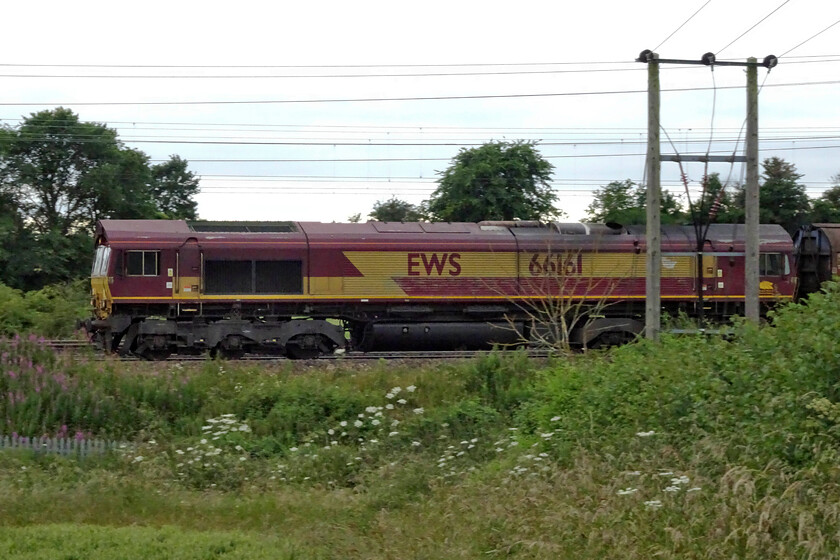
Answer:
(80, 345)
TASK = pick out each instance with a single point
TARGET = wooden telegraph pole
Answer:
(654, 254)
(751, 278)
(653, 231)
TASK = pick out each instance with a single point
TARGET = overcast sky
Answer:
(269, 100)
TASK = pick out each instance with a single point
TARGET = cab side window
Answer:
(773, 264)
(142, 263)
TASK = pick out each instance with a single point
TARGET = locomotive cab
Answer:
(100, 292)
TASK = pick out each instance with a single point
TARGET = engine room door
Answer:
(188, 265)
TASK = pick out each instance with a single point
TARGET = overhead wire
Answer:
(388, 99)
(736, 39)
(809, 39)
(665, 40)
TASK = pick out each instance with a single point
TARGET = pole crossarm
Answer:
(708, 59)
(706, 159)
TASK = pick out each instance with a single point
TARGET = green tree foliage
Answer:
(497, 181)
(174, 188)
(624, 202)
(782, 199)
(718, 204)
(58, 175)
(396, 210)
(50, 312)
(826, 209)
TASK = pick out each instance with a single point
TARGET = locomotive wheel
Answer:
(231, 348)
(307, 347)
(154, 349)
(611, 340)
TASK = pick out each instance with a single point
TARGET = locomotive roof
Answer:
(721, 236)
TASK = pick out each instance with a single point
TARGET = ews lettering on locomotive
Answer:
(429, 264)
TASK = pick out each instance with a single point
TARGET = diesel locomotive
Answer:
(302, 289)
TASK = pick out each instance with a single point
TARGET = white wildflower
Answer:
(343, 423)
(627, 491)
(645, 434)
(419, 410)
(402, 401)
(555, 418)
(138, 458)
(653, 504)
(358, 423)
(672, 489)
(411, 388)
(389, 406)
(392, 434)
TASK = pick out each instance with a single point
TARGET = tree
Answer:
(717, 204)
(173, 188)
(826, 209)
(58, 175)
(497, 181)
(782, 199)
(48, 164)
(395, 210)
(625, 203)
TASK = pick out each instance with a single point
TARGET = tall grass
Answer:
(690, 448)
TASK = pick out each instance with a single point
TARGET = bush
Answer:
(51, 312)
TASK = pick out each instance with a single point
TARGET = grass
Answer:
(689, 448)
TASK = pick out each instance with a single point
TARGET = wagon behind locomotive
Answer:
(301, 288)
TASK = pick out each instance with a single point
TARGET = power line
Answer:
(681, 26)
(811, 37)
(337, 143)
(322, 76)
(753, 27)
(379, 75)
(316, 66)
(386, 99)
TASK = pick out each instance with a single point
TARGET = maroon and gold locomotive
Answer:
(304, 288)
